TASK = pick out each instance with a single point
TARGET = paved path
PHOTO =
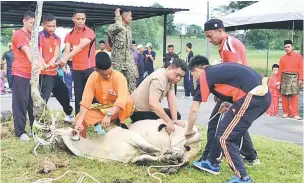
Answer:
(274, 127)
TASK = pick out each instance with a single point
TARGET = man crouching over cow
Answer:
(147, 97)
(109, 88)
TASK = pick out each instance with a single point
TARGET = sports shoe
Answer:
(207, 166)
(236, 179)
(24, 137)
(190, 97)
(183, 97)
(297, 118)
(285, 116)
(252, 162)
(69, 118)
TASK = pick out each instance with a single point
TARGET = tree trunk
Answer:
(39, 104)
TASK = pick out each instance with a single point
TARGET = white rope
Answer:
(193, 133)
(38, 126)
(153, 175)
(80, 180)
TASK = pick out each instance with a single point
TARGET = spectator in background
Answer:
(169, 57)
(149, 57)
(290, 80)
(109, 44)
(140, 64)
(102, 47)
(188, 79)
(273, 109)
(2, 73)
(8, 56)
(135, 56)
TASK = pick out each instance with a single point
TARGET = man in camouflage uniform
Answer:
(121, 36)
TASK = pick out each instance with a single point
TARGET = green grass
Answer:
(281, 163)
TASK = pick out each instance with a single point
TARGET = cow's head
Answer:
(188, 147)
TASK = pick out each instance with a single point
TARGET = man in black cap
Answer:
(290, 80)
(231, 50)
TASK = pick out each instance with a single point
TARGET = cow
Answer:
(145, 142)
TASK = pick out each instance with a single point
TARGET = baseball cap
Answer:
(213, 24)
(148, 45)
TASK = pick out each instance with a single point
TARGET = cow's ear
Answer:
(161, 126)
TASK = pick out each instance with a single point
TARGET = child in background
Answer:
(2, 84)
(273, 109)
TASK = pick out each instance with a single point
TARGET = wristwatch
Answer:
(109, 114)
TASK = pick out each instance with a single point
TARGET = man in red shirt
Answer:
(21, 71)
(50, 82)
(82, 41)
(291, 79)
(230, 50)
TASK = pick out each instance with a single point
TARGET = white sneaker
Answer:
(69, 119)
(183, 97)
(190, 97)
(24, 137)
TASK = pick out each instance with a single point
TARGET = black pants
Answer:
(54, 84)
(233, 127)
(247, 148)
(142, 115)
(139, 80)
(22, 104)
(80, 79)
(188, 84)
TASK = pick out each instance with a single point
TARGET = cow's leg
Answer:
(144, 159)
(138, 141)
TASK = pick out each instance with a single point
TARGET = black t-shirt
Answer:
(169, 58)
(9, 58)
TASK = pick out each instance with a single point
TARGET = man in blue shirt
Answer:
(149, 57)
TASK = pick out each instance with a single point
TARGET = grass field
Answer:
(281, 163)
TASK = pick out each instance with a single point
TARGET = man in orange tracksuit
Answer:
(290, 80)
(110, 89)
(273, 109)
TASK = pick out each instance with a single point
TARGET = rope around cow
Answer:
(40, 141)
(153, 175)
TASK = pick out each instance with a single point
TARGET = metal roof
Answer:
(97, 14)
